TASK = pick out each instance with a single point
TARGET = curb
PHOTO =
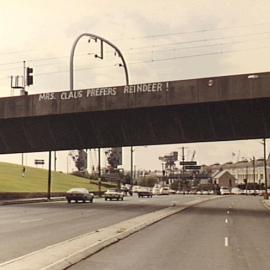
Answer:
(26, 201)
(72, 251)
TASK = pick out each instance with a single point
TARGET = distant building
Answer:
(244, 169)
(224, 179)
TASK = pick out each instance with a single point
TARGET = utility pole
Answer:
(253, 163)
(49, 177)
(55, 161)
(131, 165)
(99, 173)
(99, 163)
(183, 168)
(246, 178)
(265, 169)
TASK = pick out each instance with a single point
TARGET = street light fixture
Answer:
(96, 38)
(123, 64)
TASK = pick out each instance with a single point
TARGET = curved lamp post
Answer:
(95, 37)
(71, 69)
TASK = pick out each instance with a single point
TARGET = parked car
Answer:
(145, 192)
(224, 191)
(236, 191)
(79, 194)
(113, 194)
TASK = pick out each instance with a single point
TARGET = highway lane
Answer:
(29, 227)
(229, 233)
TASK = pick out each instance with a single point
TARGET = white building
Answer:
(241, 170)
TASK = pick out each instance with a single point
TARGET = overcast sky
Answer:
(160, 40)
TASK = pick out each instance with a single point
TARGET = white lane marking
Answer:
(228, 212)
(226, 241)
(30, 220)
(226, 220)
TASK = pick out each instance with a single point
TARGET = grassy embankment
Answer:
(36, 180)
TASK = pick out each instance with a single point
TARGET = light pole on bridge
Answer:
(71, 68)
(96, 38)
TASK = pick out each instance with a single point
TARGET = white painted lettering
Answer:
(154, 87)
(159, 87)
(126, 88)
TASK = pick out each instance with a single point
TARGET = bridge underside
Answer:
(235, 120)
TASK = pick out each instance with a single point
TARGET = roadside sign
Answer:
(188, 162)
(192, 167)
(39, 162)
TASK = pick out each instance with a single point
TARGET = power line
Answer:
(198, 40)
(165, 59)
(198, 55)
(197, 31)
(149, 47)
(203, 46)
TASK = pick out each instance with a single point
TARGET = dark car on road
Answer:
(79, 194)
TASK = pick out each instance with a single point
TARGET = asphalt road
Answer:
(30, 227)
(229, 233)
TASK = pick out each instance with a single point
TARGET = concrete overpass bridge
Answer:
(198, 110)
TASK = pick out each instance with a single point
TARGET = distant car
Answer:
(164, 191)
(135, 189)
(172, 191)
(236, 191)
(113, 194)
(224, 191)
(124, 189)
(205, 192)
(79, 194)
(145, 192)
(156, 191)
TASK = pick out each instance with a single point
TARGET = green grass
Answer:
(36, 180)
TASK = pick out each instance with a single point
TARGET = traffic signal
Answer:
(29, 76)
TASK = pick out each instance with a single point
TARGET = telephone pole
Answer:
(265, 170)
(131, 165)
(183, 168)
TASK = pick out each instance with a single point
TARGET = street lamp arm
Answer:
(94, 37)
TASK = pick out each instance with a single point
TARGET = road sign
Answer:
(39, 162)
(188, 162)
(192, 167)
